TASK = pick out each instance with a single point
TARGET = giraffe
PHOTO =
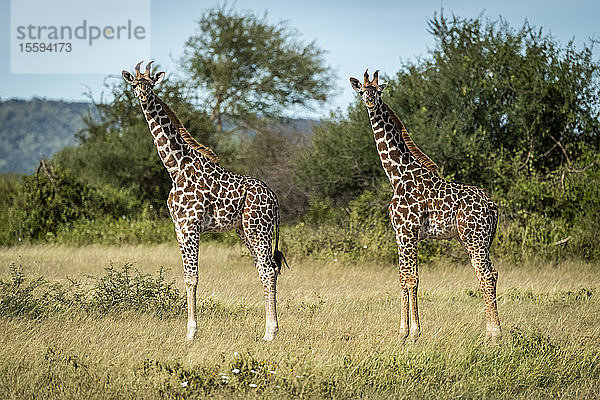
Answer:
(424, 205)
(207, 198)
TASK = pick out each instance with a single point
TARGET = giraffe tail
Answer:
(277, 254)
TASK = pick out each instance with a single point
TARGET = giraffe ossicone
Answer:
(207, 198)
(424, 205)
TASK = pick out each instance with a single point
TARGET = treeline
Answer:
(510, 110)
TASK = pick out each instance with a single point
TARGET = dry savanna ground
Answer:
(338, 331)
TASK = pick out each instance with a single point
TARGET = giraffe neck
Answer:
(400, 158)
(171, 147)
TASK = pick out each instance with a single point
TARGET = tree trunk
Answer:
(216, 116)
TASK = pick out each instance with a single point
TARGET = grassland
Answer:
(338, 332)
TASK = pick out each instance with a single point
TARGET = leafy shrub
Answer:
(10, 188)
(553, 216)
(52, 199)
(128, 289)
(118, 290)
(17, 297)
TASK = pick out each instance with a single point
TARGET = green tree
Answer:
(52, 198)
(493, 101)
(341, 161)
(116, 147)
(490, 103)
(248, 70)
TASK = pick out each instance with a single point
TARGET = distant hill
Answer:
(34, 129)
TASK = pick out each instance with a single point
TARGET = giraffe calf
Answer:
(426, 206)
(207, 198)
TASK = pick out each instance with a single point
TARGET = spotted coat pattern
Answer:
(426, 206)
(207, 198)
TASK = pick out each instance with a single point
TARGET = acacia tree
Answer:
(248, 70)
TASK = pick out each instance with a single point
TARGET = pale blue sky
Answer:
(355, 34)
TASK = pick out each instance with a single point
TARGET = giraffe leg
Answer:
(265, 265)
(415, 326)
(269, 281)
(487, 277)
(191, 283)
(409, 282)
(404, 309)
(188, 244)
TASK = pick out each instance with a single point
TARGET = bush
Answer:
(52, 199)
(128, 289)
(10, 189)
(17, 296)
(555, 215)
(118, 290)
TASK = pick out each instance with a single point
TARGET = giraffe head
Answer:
(142, 83)
(370, 90)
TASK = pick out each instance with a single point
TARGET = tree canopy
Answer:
(490, 103)
(246, 69)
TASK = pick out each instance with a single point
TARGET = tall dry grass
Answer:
(338, 332)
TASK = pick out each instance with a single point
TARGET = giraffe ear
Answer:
(127, 77)
(158, 77)
(355, 84)
(382, 86)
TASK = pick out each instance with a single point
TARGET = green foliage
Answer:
(17, 296)
(124, 289)
(36, 298)
(10, 188)
(10, 184)
(128, 289)
(51, 199)
(248, 70)
(35, 129)
(355, 232)
(553, 215)
(342, 161)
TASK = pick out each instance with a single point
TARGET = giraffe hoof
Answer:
(414, 336)
(403, 334)
(268, 337)
(493, 336)
(191, 331)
